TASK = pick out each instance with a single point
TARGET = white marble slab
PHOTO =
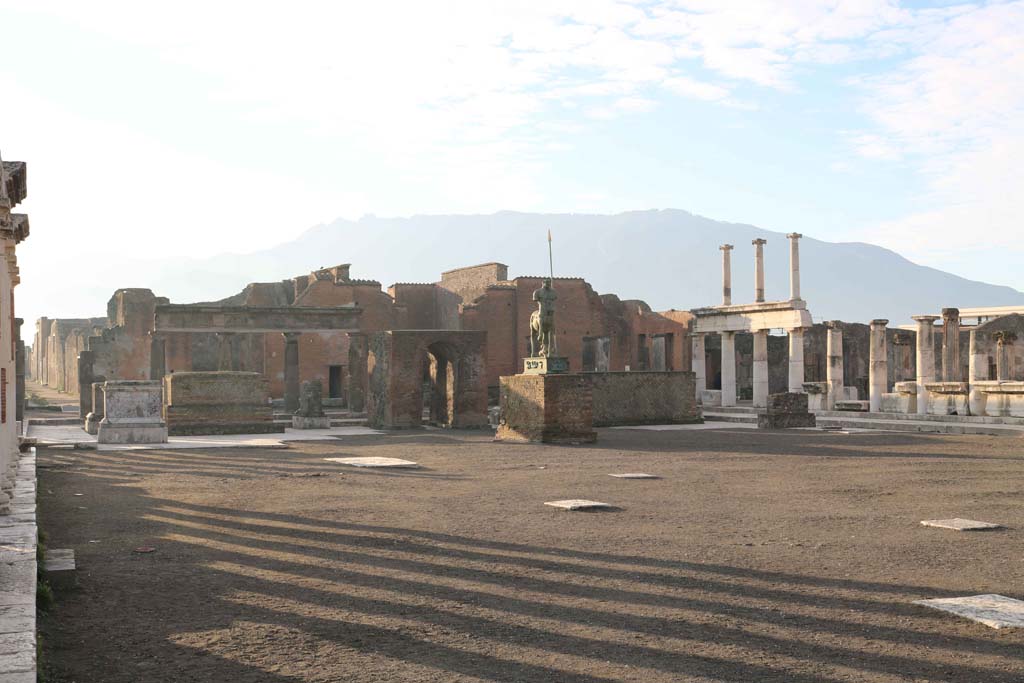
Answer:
(996, 611)
(579, 504)
(958, 524)
(635, 475)
(62, 560)
(374, 462)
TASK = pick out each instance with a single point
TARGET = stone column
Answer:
(85, 380)
(157, 357)
(1004, 355)
(977, 372)
(951, 345)
(357, 378)
(794, 265)
(878, 371)
(761, 368)
(291, 371)
(697, 362)
(796, 360)
(728, 369)
(759, 269)
(925, 358)
(226, 349)
(834, 367)
(726, 274)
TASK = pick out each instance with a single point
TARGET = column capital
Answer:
(291, 336)
(833, 324)
(925, 319)
(1005, 338)
(950, 313)
(879, 322)
(794, 235)
(726, 247)
(758, 242)
(727, 334)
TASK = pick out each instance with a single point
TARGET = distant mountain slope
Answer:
(668, 258)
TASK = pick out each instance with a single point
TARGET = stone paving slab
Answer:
(958, 524)
(576, 504)
(375, 462)
(997, 611)
(62, 560)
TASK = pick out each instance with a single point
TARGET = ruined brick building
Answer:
(596, 332)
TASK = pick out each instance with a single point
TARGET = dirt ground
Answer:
(790, 556)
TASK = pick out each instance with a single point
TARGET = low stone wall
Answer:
(639, 398)
(218, 403)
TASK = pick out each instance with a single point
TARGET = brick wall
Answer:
(636, 398)
(464, 286)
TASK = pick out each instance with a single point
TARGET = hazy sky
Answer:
(169, 129)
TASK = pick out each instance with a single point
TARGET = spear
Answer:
(551, 258)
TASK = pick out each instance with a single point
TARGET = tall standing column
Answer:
(157, 357)
(291, 371)
(878, 371)
(726, 274)
(697, 363)
(759, 269)
(1004, 355)
(760, 368)
(796, 360)
(728, 369)
(925, 359)
(834, 368)
(951, 345)
(794, 265)
(977, 371)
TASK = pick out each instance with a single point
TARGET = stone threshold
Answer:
(19, 536)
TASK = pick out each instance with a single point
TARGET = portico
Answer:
(759, 319)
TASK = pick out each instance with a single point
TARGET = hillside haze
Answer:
(668, 258)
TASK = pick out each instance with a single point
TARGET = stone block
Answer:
(200, 403)
(641, 398)
(958, 524)
(579, 504)
(302, 422)
(310, 414)
(786, 410)
(132, 413)
(711, 398)
(547, 409)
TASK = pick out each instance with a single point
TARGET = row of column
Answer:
(760, 364)
(794, 269)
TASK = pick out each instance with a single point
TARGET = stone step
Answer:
(741, 418)
(734, 410)
(914, 417)
(921, 426)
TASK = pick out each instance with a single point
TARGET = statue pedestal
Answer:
(539, 365)
(547, 408)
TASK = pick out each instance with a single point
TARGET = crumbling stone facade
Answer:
(640, 398)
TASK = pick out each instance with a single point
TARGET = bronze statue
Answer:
(542, 322)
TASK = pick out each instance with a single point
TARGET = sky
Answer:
(170, 130)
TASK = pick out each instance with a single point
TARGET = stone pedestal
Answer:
(552, 365)
(310, 414)
(547, 409)
(132, 413)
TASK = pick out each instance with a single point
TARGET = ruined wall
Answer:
(637, 398)
(464, 286)
(420, 304)
(496, 313)
(60, 356)
(985, 337)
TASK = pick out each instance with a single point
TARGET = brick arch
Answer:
(457, 362)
